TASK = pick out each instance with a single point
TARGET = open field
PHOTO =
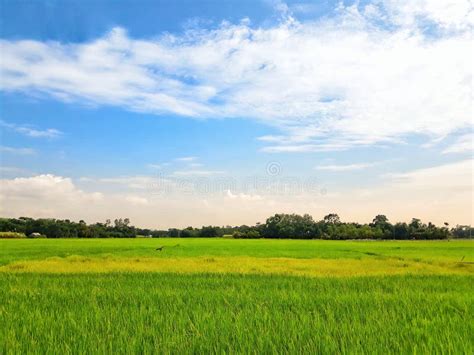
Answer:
(447, 253)
(293, 257)
(215, 295)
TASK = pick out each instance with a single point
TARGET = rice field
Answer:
(224, 295)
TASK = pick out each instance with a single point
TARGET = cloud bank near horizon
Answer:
(437, 194)
(360, 76)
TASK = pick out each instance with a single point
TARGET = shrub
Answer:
(36, 235)
(12, 235)
(246, 235)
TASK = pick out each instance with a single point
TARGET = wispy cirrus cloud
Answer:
(455, 177)
(195, 165)
(136, 200)
(186, 159)
(196, 173)
(463, 144)
(132, 182)
(10, 169)
(7, 171)
(155, 166)
(17, 151)
(31, 131)
(346, 167)
(364, 74)
(242, 196)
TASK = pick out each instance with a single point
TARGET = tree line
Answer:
(284, 226)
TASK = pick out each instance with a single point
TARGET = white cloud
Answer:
(155, 166)
(31, 132)
(45, 187)
(10, 169)
(132, 182)
(243, 197)
(18, 151)
(304, 7)
(456, 176)
(322, 147)
(448, 14)
(437, 194)
(463, 144)
(363, 76)
(348, 167)
(186, 159)
(59, 197)
(43, 195)
(195, 165)
(136, 200)
(193, 172)
(13, 171)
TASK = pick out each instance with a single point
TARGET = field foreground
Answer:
(202, 295)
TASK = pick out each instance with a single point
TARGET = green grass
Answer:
(416, 297)
(150, 312)
(16, 250)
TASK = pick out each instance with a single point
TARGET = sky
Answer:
(190, 113)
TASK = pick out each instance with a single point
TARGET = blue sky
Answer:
(163, 111)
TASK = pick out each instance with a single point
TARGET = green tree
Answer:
(332, 218)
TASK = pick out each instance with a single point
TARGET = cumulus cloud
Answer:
(43, 196)
(44, 187)
(438, 194)
(364, 75)
(55, 196)
(30, 131)
(448, 14)
(52, 196)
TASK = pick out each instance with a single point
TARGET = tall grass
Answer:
(149, 313)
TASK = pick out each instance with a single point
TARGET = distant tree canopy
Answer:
(56, 228)
(283, 226)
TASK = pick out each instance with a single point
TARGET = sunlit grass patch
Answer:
(315, 267)
(420, 251)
